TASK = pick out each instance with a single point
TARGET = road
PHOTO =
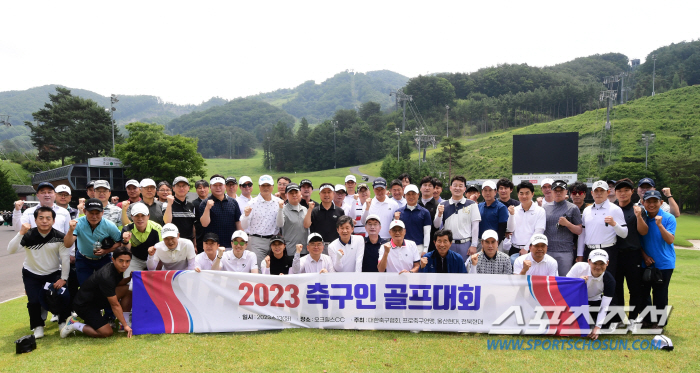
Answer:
(11, 285)
(356, 170)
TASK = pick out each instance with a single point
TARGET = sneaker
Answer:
(68, 328)
(61, 325)
(39, 332)
(54, 318)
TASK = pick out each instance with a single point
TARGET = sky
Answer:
(188, 52)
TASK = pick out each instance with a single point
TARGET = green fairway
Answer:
(688, 228)
(349, 350)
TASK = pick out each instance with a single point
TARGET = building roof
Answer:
(23, 189)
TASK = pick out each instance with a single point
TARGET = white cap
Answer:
(217, 180)
(102, 184)
(339, 187)
(350, 178)
(547, 181)
(62, 188)
(240, 234)
(181, 179)
(265, 179)
(373, 216)
(326, 187)
(397, 223)
(662, 342)
(489, 233)
(490, 184)
(410, 188)
(598, 255)
(169, 230)
(147, 182)
(139, 208)
(539, 238)
(600, 184)
(132, 182)
(312, 235)
(245, 179)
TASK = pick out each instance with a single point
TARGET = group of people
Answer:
(88, 253)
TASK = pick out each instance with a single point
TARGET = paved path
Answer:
(356, 171)
(696, 245)
(11, 285)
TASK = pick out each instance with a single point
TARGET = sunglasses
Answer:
(246, 185)
(578, 193)
(239, 243)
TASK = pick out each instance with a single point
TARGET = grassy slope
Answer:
(347, 350)
(16, 173)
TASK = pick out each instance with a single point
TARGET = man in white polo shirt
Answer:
(462, 217)
(340, 201)
(245, 198)
(600, 284)
(399, 255)
(211, 255)
(350, 184)
(173, 252)
(239, 259)
(348, 250)
(381, 206)
(603, 221)
(316, 261)
(536, 262)
(529, 219)
(548, 193)
(260, 218)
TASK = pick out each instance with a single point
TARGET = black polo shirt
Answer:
(101, 285)
(632, 241)
(278, 266)
(431, 206)
(323, 221)
(371, 258)
(198, 225)
(306, 204)
(510, 202)
(184, 217)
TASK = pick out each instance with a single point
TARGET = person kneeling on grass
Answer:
(239, 259)
(277, 262)
(104, 289)
(600, 284)
(316, 261)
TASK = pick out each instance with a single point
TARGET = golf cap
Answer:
(646, 180)
(240, 234)
(291, 187)
(472, 187)
(276, 237)
(600, 184)
(132, 182)
(232, 180)
(45, 185)
(350, 178)
(305, 182)
(169, 230)
(210, 236)
(147, 182)
(624, 183)
(373, 217)
(341, 187)
(140, 208)
(539, 238)
(89, 185)
(266, 179)
(245, 179)
(410, 188)
(652, 194)
(662, 342)
(613, 182)
(489, 233)
(379, 182)
(363, 185)
(562, 184)
(63, 188)
(102, 184)
(397, 223)
(489, 184)
(598, 255)
(314, 237)
(94, 204)
(217, 180)
(181, 179)
(326, 186)
(547, 181)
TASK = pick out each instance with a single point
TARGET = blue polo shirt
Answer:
(453, 261)
(222, 218)
(415, 220)
(86, 236)
(664, 254)
(492, 215)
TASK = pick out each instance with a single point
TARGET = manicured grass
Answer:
(348, 350)
(687, 228)
(15, 173)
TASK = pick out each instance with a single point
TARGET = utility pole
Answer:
(335, 152)
(653, 76)
(421, 137)
(647, 138)
(230, 148)
(269, 150)
(113, 100)
(398, 145)
(400, 96)
(609, 95)
(447, 116)
(5, 119)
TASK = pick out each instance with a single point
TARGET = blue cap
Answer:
(646, 180)
(45, 185)
(652, 194)
(379, 182)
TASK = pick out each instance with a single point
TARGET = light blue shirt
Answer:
(664, 254)
(86, 236)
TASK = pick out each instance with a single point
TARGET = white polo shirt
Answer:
(243, 201)
(308, 265)
(595, 232)
(176, 259)
(385, 210)
(61, 223)
(400, 258)
(528, 223)
(401, 202)
(263, 218)
(246, 263)
(203, 262)
(547, 267)
(354, 252)
(595, 285)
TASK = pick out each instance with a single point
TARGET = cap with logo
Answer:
(652, 194)
(350, 178)
(489, 233)
(305, 182)
(245, 179)
(265, 179)
(102, 184)
(539, 238)
(132, 182)
(210, 236)
(410, 188)
(472, 187)
(598, 255)
(231, 180)
(373, 217)
(181, 179)
(360, 186)
(646, 180)
(490, 184)
(547, 181)
(147, 183)
(314, 237)
(140, 208)
(277, 238)
(63, 188)
(94, 204)
(600, 184)
(240, 234)
(290, 187)
(326, 186)
(379, 182)
(397, 223)
(560, 184)
(340, 187)
(217, 180)
(169, 230)
(45, 185)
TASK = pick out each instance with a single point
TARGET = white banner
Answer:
(537, 179)
(214, 301)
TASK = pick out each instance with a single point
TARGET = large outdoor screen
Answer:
(545, 153)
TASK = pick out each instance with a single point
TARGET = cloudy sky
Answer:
(187, 52)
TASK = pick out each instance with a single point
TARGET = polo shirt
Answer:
(101, 285)
(279, 266)
(400, 257)
(203, 262)
(500, 264)
(61, 222)
(547, 267)
(451, 263)
(198, 225)
(353, 254)
(370, 258)
(492, 216)
(307, 264)
(306, 204)
(385, 210)
(459, 217)
(416, 219)
(86, 236)
(243, 201)
(184, 218)
(664, 206)
(595, 231)
(155, 211)
(222, 218)
(44, 254)
(560, 238)
(141, 241)
(598, 287)
(431, 206)
(632, 241)
(291, 220)
(246, 263)
(509, 202)
(323, 221)
(182, 257)
(262, 220)
(527, 224)
(401, 202)
(664, 254)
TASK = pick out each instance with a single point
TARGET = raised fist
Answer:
(387, 247)
(369, 203)
(637, 210)
(475, 259)
(666, 192)
(312, 204)
(24, 229)
(341, 252)
(267, 261)
(151, 251)
(527, 264)
(281, 204)
(563, 221)
(610, 221)
(220, 251)
(247, 210)
(397, 215)
(511, 209)
(658, 220)
(441, 209)
(539, 201)
(72, 224)
(170, 199)
(18, 205)
(125, 204)
(210, 203)
(423, 262)
(356, 196)
(300, 246)
(126, 236)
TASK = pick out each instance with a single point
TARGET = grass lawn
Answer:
(15, 173)
(348, 350)
(688, 228)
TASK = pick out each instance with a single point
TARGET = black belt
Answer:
(265, 237)
(465, 240)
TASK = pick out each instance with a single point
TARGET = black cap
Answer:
(45, 185)
(379, 182)
(210, 236)
(306, 181)
(472, 187)
(94, 204)
(652, 194)
(90, 184)
(291, 187)
(624, 183)
(276, 237)
(613, 182)
(231, 179)
(559, 184)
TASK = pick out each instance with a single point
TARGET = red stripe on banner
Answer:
(566, 314)
(159, 285)
(541, 291)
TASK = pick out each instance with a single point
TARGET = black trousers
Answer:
(629, 268)
(34, 287)
(660, 291)
(72, 284)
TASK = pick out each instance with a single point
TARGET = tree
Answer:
(633, 170)
(302, 143)
(149, 152)
(430, 91)
(7, 194)
(368, 109)
(451, 154)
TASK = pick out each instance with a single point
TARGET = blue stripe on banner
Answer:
(573, 293)
(529, 286)
(147, 310)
